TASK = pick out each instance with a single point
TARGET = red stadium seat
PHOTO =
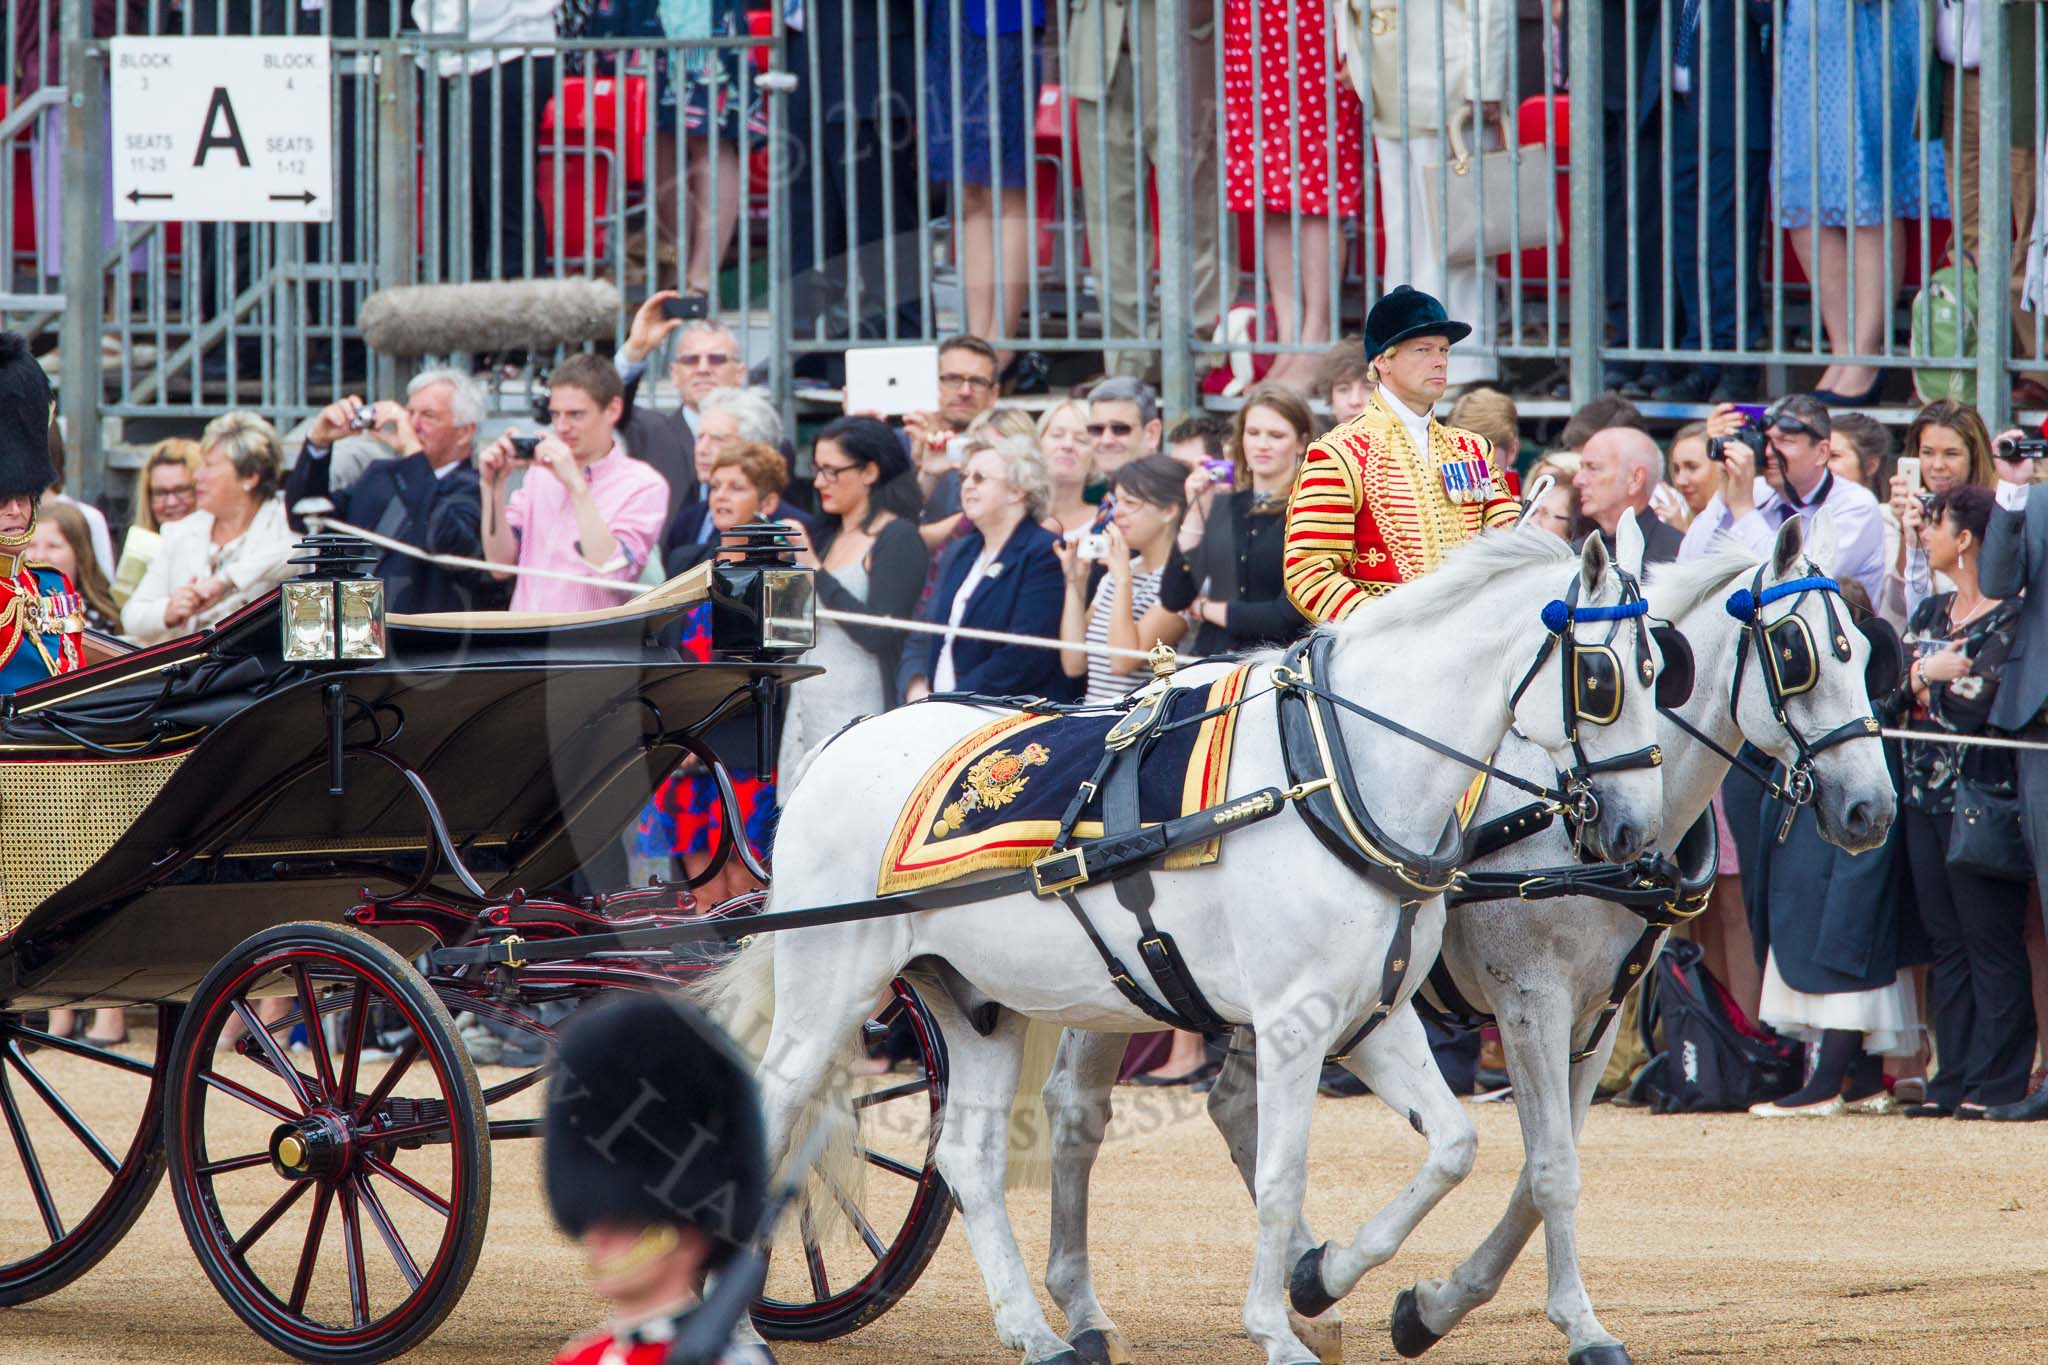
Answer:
(1530, 132)
(24, 185)
(598, 129)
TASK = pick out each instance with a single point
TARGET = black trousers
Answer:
(1983, 1004)
(1709, 321)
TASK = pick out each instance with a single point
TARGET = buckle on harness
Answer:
(1055, 872)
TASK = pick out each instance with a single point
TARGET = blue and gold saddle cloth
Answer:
(994, 800)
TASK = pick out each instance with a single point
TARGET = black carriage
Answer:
(265, 831)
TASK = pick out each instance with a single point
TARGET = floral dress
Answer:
(1958, 707)
(685, 817)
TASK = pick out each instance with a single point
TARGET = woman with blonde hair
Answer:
(1069, 462)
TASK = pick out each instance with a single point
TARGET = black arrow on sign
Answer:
(137, 196)
(303, 197)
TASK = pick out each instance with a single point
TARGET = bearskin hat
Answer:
(652, 1117)
(24, 421)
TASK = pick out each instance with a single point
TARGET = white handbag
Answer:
(1519, 191)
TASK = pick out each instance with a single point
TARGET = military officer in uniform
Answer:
(655, 1158)
(42, 618)
(1380, 499)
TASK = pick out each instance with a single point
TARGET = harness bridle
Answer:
(1592, 689)
(1790, 666)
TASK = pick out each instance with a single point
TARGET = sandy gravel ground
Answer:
(1705, 1239)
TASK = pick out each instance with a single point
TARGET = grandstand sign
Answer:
(222, 129)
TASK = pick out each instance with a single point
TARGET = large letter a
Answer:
(218, 110)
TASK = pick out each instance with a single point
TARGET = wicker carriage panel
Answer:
(58, 819)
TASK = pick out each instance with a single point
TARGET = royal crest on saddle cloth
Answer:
(994, 799)
(994, 780)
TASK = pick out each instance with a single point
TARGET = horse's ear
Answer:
(1628, 543)
(1593, 564)
(1785, 555)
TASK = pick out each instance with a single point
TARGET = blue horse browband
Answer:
(1743, 605)
(1557, 615)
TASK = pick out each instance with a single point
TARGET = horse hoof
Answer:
(1613, 1354)
(1062, 1358)
(1098, 1347)
(1323, 1335)
(1305, 1286)
(1411, 1335)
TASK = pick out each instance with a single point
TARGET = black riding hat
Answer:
(652, 1118)
(1407, 312)
(24, 421)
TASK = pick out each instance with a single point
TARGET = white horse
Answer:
(1543, 968)
(1443, 656)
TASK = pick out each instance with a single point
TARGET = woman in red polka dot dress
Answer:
(1295, 142)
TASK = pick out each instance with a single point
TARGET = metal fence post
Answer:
(1994, 216)
(1170, 93)
(84, 187)
(398, 241)
(1588, 306)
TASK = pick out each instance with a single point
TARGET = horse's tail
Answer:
(740, 995)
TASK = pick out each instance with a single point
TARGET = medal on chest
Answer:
(59, 613)
(1467, 480)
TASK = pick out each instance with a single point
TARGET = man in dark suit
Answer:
(1618, 470)
(1721, 80)
(726, 420)
(426, 497)
(2016, 561)
(706, 358)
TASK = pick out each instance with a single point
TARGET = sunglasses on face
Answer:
(709, 360)
(1113, 428)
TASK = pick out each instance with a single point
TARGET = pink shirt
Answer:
(631, 496)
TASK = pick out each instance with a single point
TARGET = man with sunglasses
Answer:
(706, 358)
(1794, 481)
(1380, 499)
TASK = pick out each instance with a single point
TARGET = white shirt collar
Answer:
(1417, 423)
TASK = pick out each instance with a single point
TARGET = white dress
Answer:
(1888, 1017)
(850, 686)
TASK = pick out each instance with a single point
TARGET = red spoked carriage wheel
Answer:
(327, 1144)
(81, 1148)
(843, 1256)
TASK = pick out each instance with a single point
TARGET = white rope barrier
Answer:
(321, 522)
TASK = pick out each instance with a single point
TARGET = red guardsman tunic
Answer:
(41, 620)
(1370, 511)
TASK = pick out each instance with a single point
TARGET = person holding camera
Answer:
(1226, 569)
(1123, 610)
(1983, 1005)
(706, 358)
(428, 497)
(1774, 466)
(585, 506)
(1947, 448)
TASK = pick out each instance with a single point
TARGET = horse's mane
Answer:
(1468, 572)
(1676, 589)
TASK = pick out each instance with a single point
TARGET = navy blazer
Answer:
(402, 499)
(2016, 561)
(1022, 593)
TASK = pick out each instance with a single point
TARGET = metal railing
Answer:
(1650, 183)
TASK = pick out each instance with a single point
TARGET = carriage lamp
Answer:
(763, 605)
(334, 611)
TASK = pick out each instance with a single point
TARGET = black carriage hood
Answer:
(536, 739)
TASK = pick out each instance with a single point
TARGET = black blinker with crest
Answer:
(1596, 684)
(1794, 664)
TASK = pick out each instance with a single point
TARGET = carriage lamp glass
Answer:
(762, 604)
(333, 612)
(789, 608)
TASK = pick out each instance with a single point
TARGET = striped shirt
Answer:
(1103, 685)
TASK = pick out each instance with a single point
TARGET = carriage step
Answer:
(404, 1113)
